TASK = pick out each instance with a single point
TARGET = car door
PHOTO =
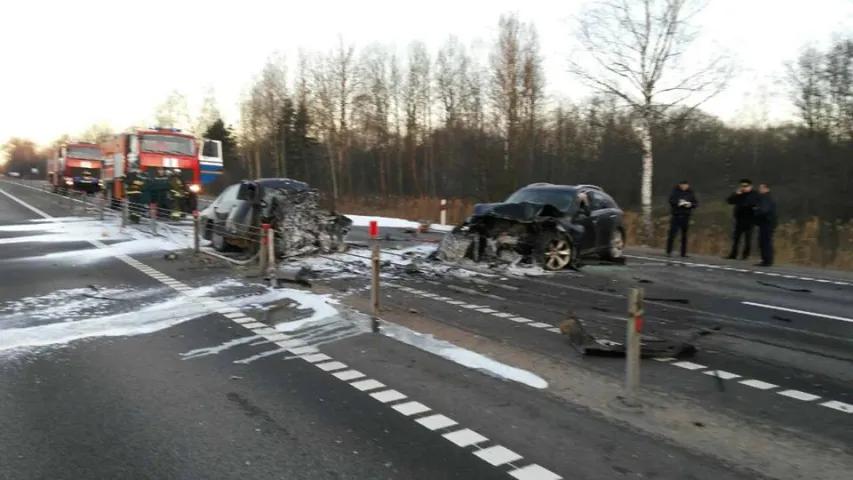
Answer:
(590, 225)
(603, 217)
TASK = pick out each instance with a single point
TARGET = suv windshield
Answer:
(93, 153)
(174, 144)
(559, 198)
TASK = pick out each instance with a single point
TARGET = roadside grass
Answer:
(808, 242)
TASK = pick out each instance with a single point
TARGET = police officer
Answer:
(177, 192)
(682, 201)
(766, 219)
(744, 202)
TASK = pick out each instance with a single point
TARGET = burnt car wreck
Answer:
(291, 208)
(547, 225)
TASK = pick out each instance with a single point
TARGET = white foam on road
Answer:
(463, 356)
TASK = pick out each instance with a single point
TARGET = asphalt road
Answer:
(117, 364)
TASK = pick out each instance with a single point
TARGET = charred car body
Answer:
(290, 207)
(549, 225)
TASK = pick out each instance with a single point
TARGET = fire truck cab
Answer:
(76, 166)
(151, 150)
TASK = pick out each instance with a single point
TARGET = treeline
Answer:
(374, 122)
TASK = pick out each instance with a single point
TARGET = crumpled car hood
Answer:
(523, 212)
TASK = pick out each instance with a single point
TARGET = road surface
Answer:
(121, 363)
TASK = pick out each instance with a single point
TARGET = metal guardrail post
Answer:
(153, 213)
(263, 256)
(125, 211)
(270, 233)
(374, 280)
(196, 232)
(632, 345)
(102, 206)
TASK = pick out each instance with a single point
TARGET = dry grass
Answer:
(809, 242)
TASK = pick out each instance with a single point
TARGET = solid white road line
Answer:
(801, 312)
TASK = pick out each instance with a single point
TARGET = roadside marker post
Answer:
(263, 255)
(196, 232)
(632, 345)
(153, 213)
(125, 211)
(444, 211)
(374, 281)
(273, 276)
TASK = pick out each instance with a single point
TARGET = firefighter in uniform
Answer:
(160, 191)
(134, 186)
(177, 192)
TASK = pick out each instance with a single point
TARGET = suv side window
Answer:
(595, 200)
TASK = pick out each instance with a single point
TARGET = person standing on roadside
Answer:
(682, 201)
(745, 202)
(766, 219)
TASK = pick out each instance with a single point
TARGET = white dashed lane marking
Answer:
(744, 270)
(723, 375)
(496, 455)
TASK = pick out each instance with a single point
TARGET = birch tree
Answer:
(173, 111)
(638, 51)
(208, 113)
(273, 91)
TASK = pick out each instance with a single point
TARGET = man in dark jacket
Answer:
(744, 202)
(682, 201)
(766, 219)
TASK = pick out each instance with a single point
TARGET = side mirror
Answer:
(250, 192)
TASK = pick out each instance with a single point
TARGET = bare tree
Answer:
(252, 129)
(451, 80)
(173, 111)
(273, 90)
(637, 50)
(97, 132)
(505, 60)
(377, 100)
(208, 113)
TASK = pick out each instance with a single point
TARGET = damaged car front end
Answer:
(545, 225)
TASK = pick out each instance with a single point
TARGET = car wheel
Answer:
(616, 248)
(556, 251)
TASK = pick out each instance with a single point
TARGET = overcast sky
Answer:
(67, 65)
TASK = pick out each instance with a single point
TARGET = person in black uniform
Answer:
(766, 219)
(682, 201)
(744, 201)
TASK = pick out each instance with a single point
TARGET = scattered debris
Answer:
(650, 346)
(790, 289)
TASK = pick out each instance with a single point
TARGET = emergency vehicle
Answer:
(76, 166)
(210, 160)
(149, 150)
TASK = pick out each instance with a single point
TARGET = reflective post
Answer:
(196, 232)
(153, 211)
(443, 211)
(263, 255)
(374, 280)
(271, 259)
(632, 345)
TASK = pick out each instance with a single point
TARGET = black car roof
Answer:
(560, 188)
(283, 183)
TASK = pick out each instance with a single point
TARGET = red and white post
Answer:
(443, 218)
(632, 346)
(263, 254)
(152, 210)
(196, 232)
(374, 279)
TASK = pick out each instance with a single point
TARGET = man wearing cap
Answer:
(744, 203)
(682, 201)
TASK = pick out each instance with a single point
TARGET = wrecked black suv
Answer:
(545, 224)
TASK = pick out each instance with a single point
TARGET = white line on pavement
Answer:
(801, 312)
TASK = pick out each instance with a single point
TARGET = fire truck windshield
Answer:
(176, 145)
(93, 153)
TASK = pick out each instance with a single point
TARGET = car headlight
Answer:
(195, 188)
(69, 182)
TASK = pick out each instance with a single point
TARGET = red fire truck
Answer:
(149, 150)
(76, 166)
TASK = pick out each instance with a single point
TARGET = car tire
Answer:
(555, 251)
(615, 249)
